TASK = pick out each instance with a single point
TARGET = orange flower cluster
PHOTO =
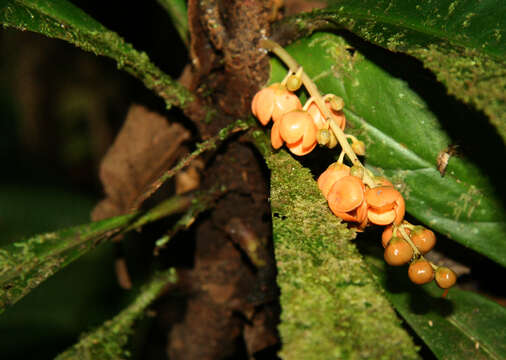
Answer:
(293, 126)
(350, 199)
(375, 202)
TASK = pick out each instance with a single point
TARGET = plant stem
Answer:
(408, 239)
(315, 94)
(209, 144)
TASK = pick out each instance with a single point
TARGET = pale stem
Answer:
(313, 92)
(415, 249)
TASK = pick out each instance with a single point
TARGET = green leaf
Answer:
(177, 11)
(464, 325)
(331, 305)
(62, 20)
(403, 139)
(110, 339)
(26, 264)
(461, 41)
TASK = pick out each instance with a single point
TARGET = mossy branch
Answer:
(26, 264)
(109, 340)
(62, 20)
(202, 147)
(331, 305)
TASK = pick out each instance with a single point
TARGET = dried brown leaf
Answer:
(146, 146)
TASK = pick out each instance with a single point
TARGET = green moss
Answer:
(470, 76)
(331, 305)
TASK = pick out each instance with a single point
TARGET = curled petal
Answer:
(317, 116)
(400, 210)
(284, 102)
(276, 139)
(346, 194)
(294, 126)
(382, 198)
(298, 149)
(309, 137)
(339, 118)
(381, 218)
(362, 214)
(262, 105)
(333, 173)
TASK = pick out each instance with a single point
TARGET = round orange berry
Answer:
(420, 272)
(398, 252)
(445, 277)
(424, 239)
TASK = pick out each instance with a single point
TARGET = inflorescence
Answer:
(353, 192)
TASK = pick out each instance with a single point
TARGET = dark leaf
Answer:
(403, 139)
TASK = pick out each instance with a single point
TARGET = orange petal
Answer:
(276, 139)
(284, 102)
(381, 218)
(343, 215)
(382, 197)
(293, 126)
(346, 194)
(298, 149)
(333, 173)
(362, 214)
(309, 137)
(387, 235)
(400, 210)
(263, 105)
(339, 118)
(317, 116)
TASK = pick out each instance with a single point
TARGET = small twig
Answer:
(209, 144)
(201, 202)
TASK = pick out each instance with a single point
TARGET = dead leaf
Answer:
(146, 146)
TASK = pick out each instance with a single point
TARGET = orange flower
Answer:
(296, 128)
(319, 118)
(333, 173)
(273, 102)
(346, 199)
(386, 205)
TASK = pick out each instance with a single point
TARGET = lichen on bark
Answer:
(331, 304)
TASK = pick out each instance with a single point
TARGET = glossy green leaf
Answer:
(26, 264)
(109, 340)
(461, 41)
(403, 139)
(464, 325)
(62, 20)
(331, 306)
(177, 11)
